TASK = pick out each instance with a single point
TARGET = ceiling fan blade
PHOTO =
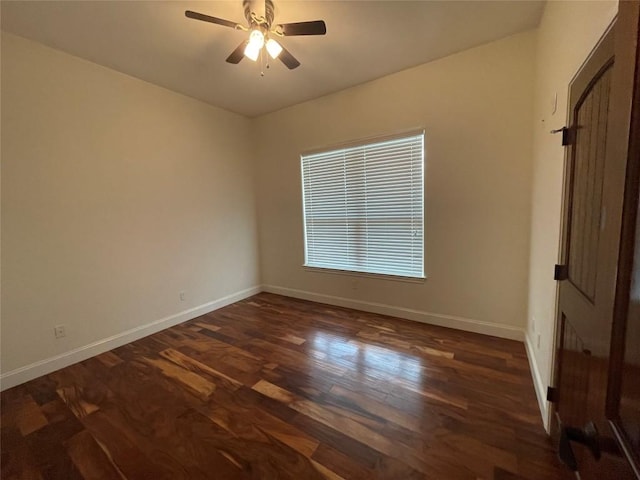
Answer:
(289, 60)
(210, 19)
(316, 27)
(238, 53)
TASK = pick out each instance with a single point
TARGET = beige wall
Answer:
(476, 109)
(116, 196)
(567, 33)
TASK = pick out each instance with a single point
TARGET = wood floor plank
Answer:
(373, 407)
(90, 459)
(110, 359)
(200, 368)
(20, 464)
(50, 455)
(341, 462)
(122, 448)
(29, 417)
(347, 425)
(75, 399)
(238, 415)
(148, 412)
(273, 387)
(256, 458)
(213, 328)
(197, 384)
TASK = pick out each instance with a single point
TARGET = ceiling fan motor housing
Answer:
(256, 20)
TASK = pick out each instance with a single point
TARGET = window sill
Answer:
(377, 276)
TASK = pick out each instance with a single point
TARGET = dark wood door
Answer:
(594, 177)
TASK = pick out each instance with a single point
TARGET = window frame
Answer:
(355, 144)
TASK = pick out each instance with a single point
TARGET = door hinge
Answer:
(568, 135)
(560, 272)
(552, 394)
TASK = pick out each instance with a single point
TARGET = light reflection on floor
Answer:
(369, 360)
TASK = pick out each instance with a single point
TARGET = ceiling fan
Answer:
(262, 32)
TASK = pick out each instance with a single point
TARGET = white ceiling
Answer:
(154, 41)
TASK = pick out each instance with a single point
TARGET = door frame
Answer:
(628, 231)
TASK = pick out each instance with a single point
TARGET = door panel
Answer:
(584, 232)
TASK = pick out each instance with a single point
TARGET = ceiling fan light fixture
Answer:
(256, 42)
(274, 48)
(257, 38)
(252, 51)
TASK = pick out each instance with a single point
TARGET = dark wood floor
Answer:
(272, 387)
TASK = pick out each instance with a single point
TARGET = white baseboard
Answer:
(450, 321)
(48, 365)
(538, 385)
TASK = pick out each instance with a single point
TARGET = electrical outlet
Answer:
(533, 324)
(183, 295)
(538, 341)
(59, 331)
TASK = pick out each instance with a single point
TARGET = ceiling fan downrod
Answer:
(255, 20)
(269, 13)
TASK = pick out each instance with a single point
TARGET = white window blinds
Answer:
(363, 207)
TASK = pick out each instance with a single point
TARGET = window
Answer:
(363, 207)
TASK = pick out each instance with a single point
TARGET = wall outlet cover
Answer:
(59, 331)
